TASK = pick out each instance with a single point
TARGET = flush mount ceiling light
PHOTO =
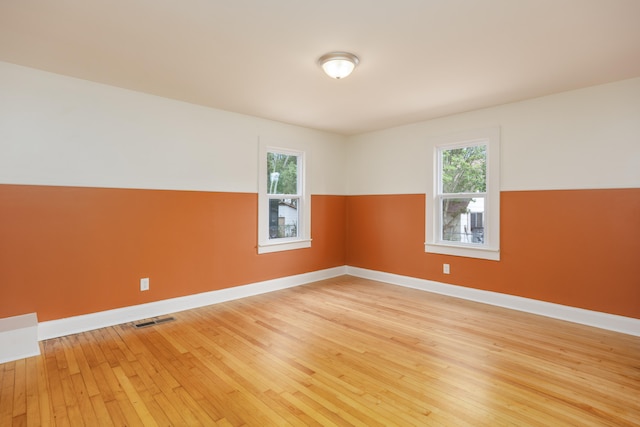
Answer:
(338, 65)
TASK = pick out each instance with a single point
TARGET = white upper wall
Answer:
(583, 139)
(57, 130)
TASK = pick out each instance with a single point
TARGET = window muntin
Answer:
(463, 211)
(283, 210)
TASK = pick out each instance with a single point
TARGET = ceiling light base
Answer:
(338, 65)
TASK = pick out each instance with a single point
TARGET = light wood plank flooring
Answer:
(345, 351)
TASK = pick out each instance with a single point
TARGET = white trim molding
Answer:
(87, 322)
(19, 337)
(611, 322)
(77, 324)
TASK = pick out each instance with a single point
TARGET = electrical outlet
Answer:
(144, 284)
(446, 269)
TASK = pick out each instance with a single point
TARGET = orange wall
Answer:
(66, 251)
(579, 248)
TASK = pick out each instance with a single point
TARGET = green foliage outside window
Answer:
(282, 173)
(464, 170)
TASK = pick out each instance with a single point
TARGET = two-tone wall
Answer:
(570, 200)
(101, 186)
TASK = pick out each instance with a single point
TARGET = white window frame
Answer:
(490, 249)
(303, 240)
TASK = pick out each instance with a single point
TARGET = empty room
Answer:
(293, 213)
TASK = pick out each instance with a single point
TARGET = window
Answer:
(283, 211)
(464, 210)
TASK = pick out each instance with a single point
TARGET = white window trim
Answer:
(266, 245)
(491, 248)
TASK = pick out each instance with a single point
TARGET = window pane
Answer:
(282, 173)
(463, 220)
(464, 170)
(283, 218)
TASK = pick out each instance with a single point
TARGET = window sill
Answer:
(492, 254)
(265, 248)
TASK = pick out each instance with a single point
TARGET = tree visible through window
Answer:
(463, 182)
(282, 184)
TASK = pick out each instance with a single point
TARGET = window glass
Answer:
(464, 170)
(282, 173)
(283, 218)
(462, 220)
(282, 179)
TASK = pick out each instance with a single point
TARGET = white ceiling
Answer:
(420, 59)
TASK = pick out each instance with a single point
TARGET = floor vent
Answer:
(153, 322)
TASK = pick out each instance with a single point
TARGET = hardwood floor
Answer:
(345, 351)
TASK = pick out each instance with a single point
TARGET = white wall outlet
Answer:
(446, 269)
(144, 284)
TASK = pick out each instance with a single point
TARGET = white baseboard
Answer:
(87, 322)
(612, 322)
(77, 324)
(19, 337)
